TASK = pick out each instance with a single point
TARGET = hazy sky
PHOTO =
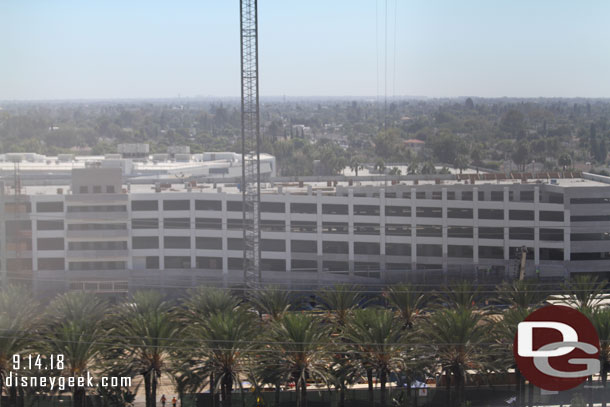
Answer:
(64, 49)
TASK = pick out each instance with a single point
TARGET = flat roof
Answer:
(295, 187)
(49, 163)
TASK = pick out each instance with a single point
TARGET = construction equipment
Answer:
(250, 141)
(522, 263)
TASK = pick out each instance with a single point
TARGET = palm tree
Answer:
(186, 379)
(226, 342)
(406, 300)
(380, 343)
(271, 301)
(146, 331)
(462, 294)
(428, 168)
(504, 331)
(523, 297)
(458, 339)
(584, 292)
(522, 294)
(355, 164)
(565, 160)
(17, 323)
(197, 307)
(345, 370)
(461, 162)
(74, 329)
(201, 302)
(274, 303)
(340, 301)
(395, 171)
(299, 351)
(268, 373)
(380, 166)
(413, 167)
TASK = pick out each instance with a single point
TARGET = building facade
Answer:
(97, 234)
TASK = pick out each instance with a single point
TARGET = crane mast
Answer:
(250, 141)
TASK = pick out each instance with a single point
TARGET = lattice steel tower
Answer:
(250, 141)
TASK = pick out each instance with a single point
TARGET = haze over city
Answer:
(112, 49)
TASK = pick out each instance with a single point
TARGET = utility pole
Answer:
(250, 141)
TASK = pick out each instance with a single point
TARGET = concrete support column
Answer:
(319, 232)
(444, 227)
(382, 239)
(475, 228)
(567, 230)
(288, 232)
(413, 230)
(2, 236)
(505, 224)
(33, 218)
(223, 231)
(350, 234)
(536, 226)
(129, 234)
(161, 234)
(193, 250)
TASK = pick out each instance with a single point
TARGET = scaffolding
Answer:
(250, 139)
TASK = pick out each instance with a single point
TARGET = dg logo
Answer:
(556, 348)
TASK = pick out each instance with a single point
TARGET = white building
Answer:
(36, 169)
(98, 233)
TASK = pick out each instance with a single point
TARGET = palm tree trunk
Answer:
(147, 387)
(12, 401)
(153, 389)
(369, 378)
(297, 392)
(277, 394)
(21, 400)
(383, 379)
(459, 386)
(78, 397)
(448, 386)
(227, 383)
(212, 389)
(304, 393)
